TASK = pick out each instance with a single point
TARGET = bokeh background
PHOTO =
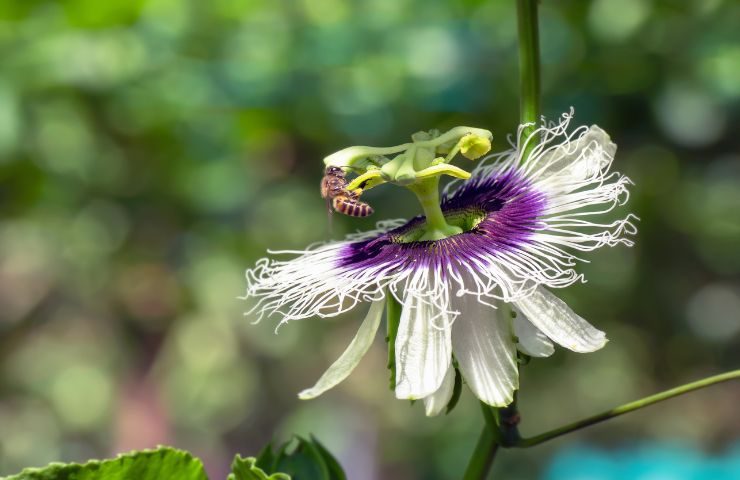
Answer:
(151, 150)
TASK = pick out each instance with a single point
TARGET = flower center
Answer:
(464, 220)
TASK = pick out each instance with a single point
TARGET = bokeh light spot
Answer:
(690, 116)
(713, 312)
(616, 20)
(10, 122)
(82, 394)
(433, 55)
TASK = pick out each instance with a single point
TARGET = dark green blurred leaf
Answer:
(266, 456)
(335, 470)
(162, 464)
(301, 459)
(246, 469)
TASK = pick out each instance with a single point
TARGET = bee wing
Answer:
(329, 217)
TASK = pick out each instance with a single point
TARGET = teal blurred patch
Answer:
(651, 461)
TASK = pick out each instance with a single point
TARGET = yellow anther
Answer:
(474, 146)
(443, 169)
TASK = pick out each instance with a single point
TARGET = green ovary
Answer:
(461, 220)
(436, 226)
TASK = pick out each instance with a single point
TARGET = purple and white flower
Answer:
(479, 295)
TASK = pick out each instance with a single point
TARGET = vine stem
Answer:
(492, 436)
(529, 112)
(486, 448)
(500, 429)
(627, 408)
(529, 68)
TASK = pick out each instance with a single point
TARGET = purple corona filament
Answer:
(504, 208)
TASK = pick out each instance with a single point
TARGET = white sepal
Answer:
(423, 348)
(351, 357)
(532, 342)
(485, 351)
(556, 320)
(435, 403)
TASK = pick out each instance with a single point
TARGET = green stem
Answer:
(529, 68)
(529, 112)
(508, 424)
(485, 450)
(508, 416)
(393, 318)
(529, 108)
(436, 228)
(628, 407)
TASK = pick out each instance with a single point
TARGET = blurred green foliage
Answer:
(151, 150)
(163, 463)
(247, 469)
(304, 460)
(298, 458)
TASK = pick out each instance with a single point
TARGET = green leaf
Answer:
(301, 460)
(266, 458)
(456, 391)
(335, 470)
(165, 463)
(247, 469)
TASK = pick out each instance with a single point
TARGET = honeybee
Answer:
(334, 190)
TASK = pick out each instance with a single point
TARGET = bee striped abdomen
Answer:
(350, 207)
(334, 189)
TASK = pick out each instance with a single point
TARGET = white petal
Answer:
(578, 159)
(485, 351)
(531, 341)
(347, 362)
(556, 320)
(436, 402)
(320, 281)
(423, 349)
